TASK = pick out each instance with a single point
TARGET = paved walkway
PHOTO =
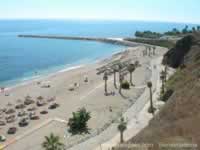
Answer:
(136, 116)
(137, 119)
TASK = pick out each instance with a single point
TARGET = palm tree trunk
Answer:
(151, 101)
(120, 88)
(163, 87)
(115, 80)
(106, 91)
(131, 78)
(165, 76)
(121, 137)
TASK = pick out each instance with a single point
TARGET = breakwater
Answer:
(118, 41)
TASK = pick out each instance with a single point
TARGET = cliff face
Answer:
(180, 117)
(175, 56)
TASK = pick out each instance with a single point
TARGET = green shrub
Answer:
(125, 85)
(166, 95)
(177, 76)
(78, 123)
(147, 34)
(150, 110)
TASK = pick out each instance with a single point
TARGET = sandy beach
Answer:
(87, 94)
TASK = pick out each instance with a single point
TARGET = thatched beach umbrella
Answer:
(9, 104)
(28, 97)
(32, 107)
(10, 111)
(51, 99)
(40, 98)
(20, 106)
(19, 101)
(10, 108)
(28, 100)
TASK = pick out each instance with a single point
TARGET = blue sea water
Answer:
(20, 58)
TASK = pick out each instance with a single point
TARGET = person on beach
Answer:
(2, 90)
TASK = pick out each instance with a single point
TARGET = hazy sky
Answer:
(160, 10)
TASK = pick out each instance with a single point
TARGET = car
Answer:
(10, 111)
(23, 122)
(20, 106)
(40, 103)
(2, 110)
(2, 123)
(21, 113)
(32, 108)
(44, 112)
(51, 99)
(34, 117)
(28, 102)
(12, 130)
(53, 106)
(10, 119)
(2, 138)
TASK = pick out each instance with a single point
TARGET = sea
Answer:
(23, 59)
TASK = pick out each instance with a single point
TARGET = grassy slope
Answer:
(180, 117)
(162, 43)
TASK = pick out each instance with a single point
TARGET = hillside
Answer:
(179, 120)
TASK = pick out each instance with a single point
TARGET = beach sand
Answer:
(89, 95)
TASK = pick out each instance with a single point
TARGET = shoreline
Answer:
(40, 77)
(34, 78)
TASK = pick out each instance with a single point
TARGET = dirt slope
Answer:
(179, 120)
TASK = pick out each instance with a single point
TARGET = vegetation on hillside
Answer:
(178, 121)
(173, 32)
(159, 42)
(175, 57)
(148, 34)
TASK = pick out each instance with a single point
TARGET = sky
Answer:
(146, 10)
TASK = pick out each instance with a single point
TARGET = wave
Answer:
(70, 68)
(35, 78)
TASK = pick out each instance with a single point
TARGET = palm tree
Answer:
(121, 79)
(166, 69)
(105, 78)
(119, 67)
(131, 69)
(146, 50)
(193, 29)
(162, 77)
(149, 85)
(149, 51)
(52, 143)
(198, 28)
(122, 127)
(154, 48)
(115, 70)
